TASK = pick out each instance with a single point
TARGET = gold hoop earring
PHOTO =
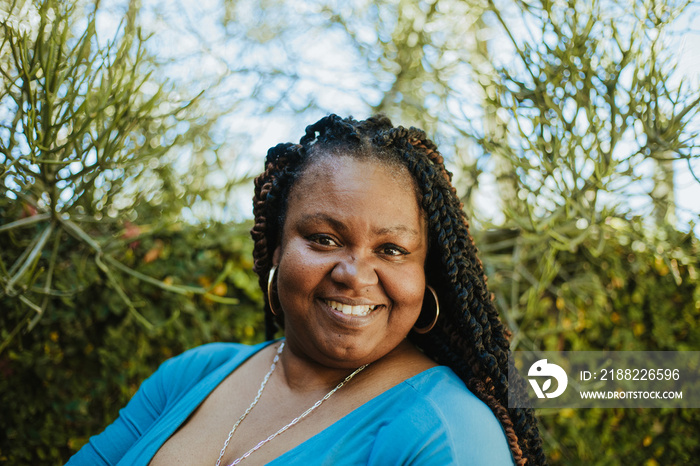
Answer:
(270, 280)
(423, 330)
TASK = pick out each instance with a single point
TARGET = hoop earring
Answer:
(423, 330)
(270, 280)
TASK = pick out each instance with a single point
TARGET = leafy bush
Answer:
(99, 282)
(66, 379)
(633, 291)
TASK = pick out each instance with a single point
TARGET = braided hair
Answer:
(469, 336)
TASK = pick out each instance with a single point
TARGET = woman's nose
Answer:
(354, 272)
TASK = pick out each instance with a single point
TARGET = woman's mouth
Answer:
(346, 309)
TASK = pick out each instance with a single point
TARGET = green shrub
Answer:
(99, 280)
(67, 378)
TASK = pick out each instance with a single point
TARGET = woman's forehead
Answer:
(355, 187)
(325, 163)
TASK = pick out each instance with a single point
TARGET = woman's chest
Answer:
(233, 418)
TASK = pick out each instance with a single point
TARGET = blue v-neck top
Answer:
(429, 419)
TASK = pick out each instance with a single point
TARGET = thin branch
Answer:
(25, 221)
(31, 258)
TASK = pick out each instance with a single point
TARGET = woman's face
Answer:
(351, 277)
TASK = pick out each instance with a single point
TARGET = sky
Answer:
(686, 46)
(330, 81)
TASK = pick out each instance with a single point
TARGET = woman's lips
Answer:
(349, 310)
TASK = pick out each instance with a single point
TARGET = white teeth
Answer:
(351, 310)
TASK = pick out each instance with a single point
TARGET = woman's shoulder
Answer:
(209, 356)
(214, 353)
(195, 364)
(194, 372)
(441, 387)
(466, 424)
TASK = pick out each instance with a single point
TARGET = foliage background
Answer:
(126, 165)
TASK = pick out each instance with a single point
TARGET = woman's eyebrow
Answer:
(325, 218)
(397, 230)
(340, 226)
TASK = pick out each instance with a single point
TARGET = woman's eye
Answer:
(323, 240)
(393, 250)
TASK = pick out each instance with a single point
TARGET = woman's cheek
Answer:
(408, 287)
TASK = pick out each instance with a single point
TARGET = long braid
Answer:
(469, 336)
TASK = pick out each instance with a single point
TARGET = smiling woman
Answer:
(350, 261)
(392, 352)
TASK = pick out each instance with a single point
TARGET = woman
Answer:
(364, 251)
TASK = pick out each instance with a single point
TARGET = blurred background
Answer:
(130, 132)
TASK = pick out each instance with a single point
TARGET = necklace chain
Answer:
(291, 424)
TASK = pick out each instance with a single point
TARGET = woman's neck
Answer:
(302, 374)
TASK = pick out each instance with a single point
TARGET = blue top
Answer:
(429, 419)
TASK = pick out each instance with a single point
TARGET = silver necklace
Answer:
(291, 424)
